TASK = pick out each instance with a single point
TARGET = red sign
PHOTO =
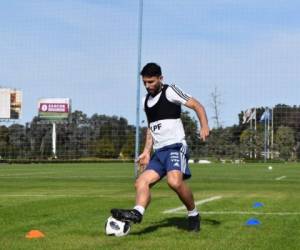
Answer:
(54, 107)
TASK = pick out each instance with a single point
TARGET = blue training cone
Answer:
(253, 222)
(258, 204)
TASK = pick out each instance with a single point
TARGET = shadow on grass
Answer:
(178, 222)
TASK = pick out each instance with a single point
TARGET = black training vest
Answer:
(163, 109)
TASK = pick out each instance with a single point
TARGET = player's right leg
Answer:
(142, 185)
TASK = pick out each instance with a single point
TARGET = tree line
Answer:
(98, 136)
(112, 137)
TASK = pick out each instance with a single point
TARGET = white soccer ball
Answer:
(270, 168)
(114, 227)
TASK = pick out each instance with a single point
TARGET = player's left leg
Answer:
(176, 182)
(176, 162)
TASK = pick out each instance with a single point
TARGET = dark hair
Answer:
(151, 69)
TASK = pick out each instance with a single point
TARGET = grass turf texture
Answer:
(69, 203)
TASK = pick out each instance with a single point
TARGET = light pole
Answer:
(138, 87)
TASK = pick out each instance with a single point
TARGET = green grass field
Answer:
(70, 203)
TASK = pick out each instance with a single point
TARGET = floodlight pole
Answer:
(265, 139)
(138, 87)
(272, 132)
(54, 140)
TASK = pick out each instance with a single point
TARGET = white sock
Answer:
(140, 209)
(194, 212)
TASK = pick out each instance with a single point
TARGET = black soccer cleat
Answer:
(130, 215)
(194, 223)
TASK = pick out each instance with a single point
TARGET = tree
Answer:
(128, 149)
(17, 141)
(216, 103)
(4, 141)
(288, 116)
(221, 143)
(105, 148)
(191, 132)
(112, 128)
(251, 143)
(73, 138)
(285, 142)
(39, 139)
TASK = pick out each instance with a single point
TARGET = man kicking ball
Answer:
(165, 134)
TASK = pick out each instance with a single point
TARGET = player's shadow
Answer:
(178, 222)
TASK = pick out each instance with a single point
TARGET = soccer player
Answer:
(165, 134)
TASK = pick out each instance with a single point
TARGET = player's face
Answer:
(152, 84)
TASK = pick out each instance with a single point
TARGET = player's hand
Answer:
(143, 161)
(204, 133)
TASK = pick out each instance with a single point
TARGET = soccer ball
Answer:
(114, 227)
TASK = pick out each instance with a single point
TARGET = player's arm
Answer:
(192, 103)
(176, 95)
(144, 158)
(149, 142)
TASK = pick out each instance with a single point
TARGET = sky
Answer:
(86, 50)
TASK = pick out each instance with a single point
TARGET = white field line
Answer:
(174, 210)
(56, 195)
(62, 177)
(247, 212)
(26, 174)
(280, 178)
